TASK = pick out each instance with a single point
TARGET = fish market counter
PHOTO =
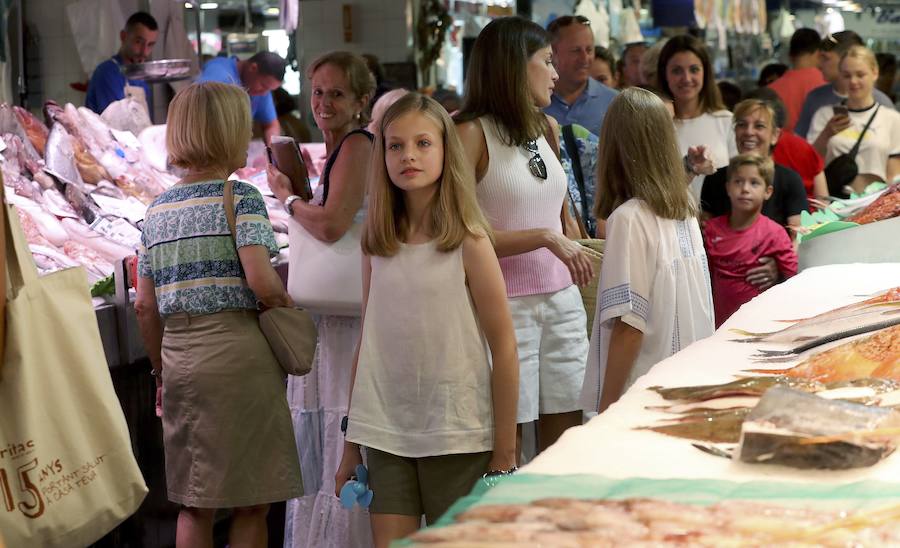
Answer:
(610, 445)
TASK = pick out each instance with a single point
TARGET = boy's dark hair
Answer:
(887, 63)
(804, 42)
(772, 69)
(764, 166)
(731, 93)
(270, 64)
(141, 18)
(840, 41)
(605, 55)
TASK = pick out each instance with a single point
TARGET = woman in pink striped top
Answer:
(522, 190)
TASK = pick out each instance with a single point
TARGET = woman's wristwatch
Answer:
(289, 201)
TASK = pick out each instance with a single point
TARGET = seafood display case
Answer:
(779, 428)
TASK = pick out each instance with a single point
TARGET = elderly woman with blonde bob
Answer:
(654, 296)
(226, 424)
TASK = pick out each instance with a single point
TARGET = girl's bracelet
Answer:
(492, 473)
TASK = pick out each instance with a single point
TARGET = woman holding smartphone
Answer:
(836, 129)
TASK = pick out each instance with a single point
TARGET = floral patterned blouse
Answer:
(188, 251)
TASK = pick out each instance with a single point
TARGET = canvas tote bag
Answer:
(325, 278)
(67, 472)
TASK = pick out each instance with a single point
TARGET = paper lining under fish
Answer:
(872, 310)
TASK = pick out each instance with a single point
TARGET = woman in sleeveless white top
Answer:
(423, 384)
(522, 189)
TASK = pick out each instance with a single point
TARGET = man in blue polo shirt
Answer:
(259, 75)
(577, 98)
(108, 84)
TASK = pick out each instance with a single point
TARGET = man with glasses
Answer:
(577, 98)
(259, 75)
(831, 49)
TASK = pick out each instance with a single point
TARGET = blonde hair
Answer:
(639, 158)
(381, 105)
(862, 53)
(361, 80)
(763, 164)
(454, 215)
(208, 122)
(749, 106)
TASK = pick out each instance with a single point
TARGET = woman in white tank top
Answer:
(522, 190)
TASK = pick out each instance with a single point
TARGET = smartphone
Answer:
(841, 110)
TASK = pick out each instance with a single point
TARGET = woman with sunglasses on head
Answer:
(837, 128)
(685, 73)
(522, 190)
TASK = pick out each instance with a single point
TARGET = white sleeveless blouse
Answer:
(423, 381)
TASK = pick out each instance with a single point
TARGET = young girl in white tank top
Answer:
(432, 413)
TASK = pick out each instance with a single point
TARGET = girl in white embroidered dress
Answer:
(654, 296)
(425, 401)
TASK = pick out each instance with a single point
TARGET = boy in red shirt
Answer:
(736, 241)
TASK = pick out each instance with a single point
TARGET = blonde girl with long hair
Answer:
(432, 413)
(654, 296)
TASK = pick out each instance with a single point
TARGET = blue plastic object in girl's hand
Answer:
(356, 491)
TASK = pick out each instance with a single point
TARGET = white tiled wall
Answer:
(382, 27)
(59, 61)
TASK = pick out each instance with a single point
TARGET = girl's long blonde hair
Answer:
(639, 158)
(454, 215)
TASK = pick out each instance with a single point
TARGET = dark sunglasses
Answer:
(536, 164)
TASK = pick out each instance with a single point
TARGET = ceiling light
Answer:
(209, 6)
(188, 5)
(272, 11)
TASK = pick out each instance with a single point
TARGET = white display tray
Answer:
(610, 446)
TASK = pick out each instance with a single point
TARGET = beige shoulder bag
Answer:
(291, 333)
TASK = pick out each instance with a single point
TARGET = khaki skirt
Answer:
(227, 428)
